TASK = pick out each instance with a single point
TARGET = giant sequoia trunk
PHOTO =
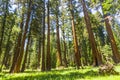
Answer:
(97, 59)
(77, 53)
(48, 57)
(116, 55)
(43, 43)
(19, 59)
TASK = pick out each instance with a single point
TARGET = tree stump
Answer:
(107, 68)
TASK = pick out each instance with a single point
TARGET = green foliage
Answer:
(106, 50)
(88, 73)
(33, 56)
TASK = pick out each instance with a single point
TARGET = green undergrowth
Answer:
(88, 73)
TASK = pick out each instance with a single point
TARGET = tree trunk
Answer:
(43, 43)
(116, 55)
(26, 53)
(48, 57)
(77, 54)
(97, 59)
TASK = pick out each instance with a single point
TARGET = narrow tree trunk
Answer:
(26, 53)
(77, 54)
(48, 57)
(97, 59)
(65, 49)
(8, 61)
(43, 43)
(39, 53)
(29, 56)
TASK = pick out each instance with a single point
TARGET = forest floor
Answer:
(88, 73)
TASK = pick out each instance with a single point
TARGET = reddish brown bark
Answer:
(97, 59)
(77, 54)
(26, 54)
(116, 55)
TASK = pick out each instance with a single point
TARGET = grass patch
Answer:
(88, 73)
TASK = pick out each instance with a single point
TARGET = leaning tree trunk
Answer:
(97, 59)
(26, 53)
(77, 54)
(116, 55)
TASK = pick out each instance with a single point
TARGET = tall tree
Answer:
(77, 54)
(116, 55)
(97, 59)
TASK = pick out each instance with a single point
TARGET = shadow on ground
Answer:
(53, 75)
